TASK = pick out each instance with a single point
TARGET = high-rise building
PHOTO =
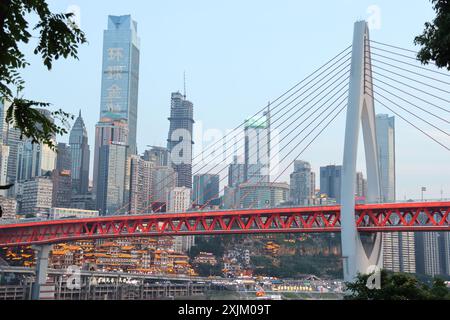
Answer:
(10, 138)
(37, 197)
(398, 248)
(427, 253)
(35, 159)
(108, 131)
(330, 182)
(120, 74)
(62, 178)
(236, 173)
(257, 150)
(206, 190)
(444, 252)
(111, 179)
(80, 157)
(361, 185)
(180, 141)
(4, 149)
(433, 253)
(301, 192)
(179, 200)
(9, 207)
(386, 151)
(164, 180)
(139, 185)
(158, 155)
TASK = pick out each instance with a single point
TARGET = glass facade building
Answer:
(180, 141)
(80, 157)
(120, 74)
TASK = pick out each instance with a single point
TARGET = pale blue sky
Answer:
(238, 55)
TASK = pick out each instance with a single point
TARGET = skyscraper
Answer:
(206, 189)
(80, 157)
(139, 185)
(10, 138)
(179, 200)
(236, 173)
(35, 159)
(158, 155)
(300, 192)
(111, 179)
(386, 151)
(111, 152)
(120, 74)
(361, 185)
(257, 150)
(164, 180)
(37, 197)
(180, 141)
(330, 182)
(398, 248)
(427, 253)
(62, 178)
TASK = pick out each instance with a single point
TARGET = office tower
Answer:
(4, 149)
(300, 186)
(139, 185)
(386, 152)
(62, 178)
(180, 141)
(398, 248)
(158, 155)
(257, 149)
(80, 157)
(111, 179)
(164, 180)
(206, 190)
(37, 197)
(107, 132)
(120, 74)
(10, 138)
(330, 182)
(35, 159)
(236, 173)
(262, 195)
(179, 201)
(9, 208)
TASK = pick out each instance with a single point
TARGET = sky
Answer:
(238, 55)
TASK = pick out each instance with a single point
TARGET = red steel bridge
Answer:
(376, 218)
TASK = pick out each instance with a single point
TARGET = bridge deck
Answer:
(397, 217)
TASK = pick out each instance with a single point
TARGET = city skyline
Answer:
(199, 90)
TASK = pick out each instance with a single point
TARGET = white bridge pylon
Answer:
(359, 258)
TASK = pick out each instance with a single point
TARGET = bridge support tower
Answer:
(360, 252)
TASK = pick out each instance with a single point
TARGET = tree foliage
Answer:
(435, 40)
(57, 37)
(397, 286)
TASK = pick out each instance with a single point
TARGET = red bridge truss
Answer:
(401, 217)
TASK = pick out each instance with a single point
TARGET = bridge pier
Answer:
(42, 254)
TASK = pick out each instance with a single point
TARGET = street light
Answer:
(424, 189)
